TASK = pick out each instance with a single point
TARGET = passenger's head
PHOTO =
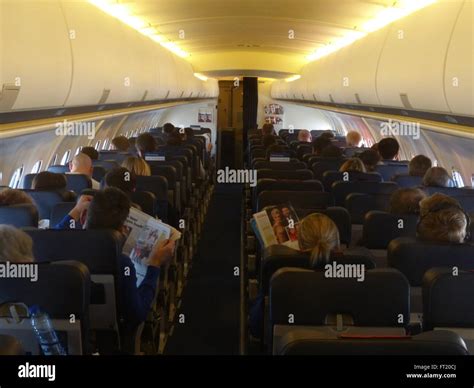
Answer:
(319, 144)
(91, 152)
(145, 143)
(304, 136)
(406, 201)
(268, 140)
(108, 210)
(419, 165)
(121, 143)
(332, 151)
(388, 148)
(137, 166)
(168, 128)
(16, 245)
(46, 180)
(319, 235)
(442, 220)
(9, 197)
(353, 139)
(353, 164)
(175, 138)
(122, 179)
(370, 158)
(267, 129)
(189, 133)
(328, 135)
(81, 164)
(436, 177)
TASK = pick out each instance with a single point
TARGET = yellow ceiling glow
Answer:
(386, 16)
(126, 16)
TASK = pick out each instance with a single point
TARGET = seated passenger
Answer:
(175, 138)
(304, 136)
(442, 220)
(353, 165)
(388, 149)
(319, 144)
(406, 201)
(137, 166)
(370, 158)
(120, 143)
(9, 197)
(145, 143)
(267, 141)
(332, 151)
(82, 164)
(436, 177)
(267, 129)
(168, 128)
(353, 139)
(318, 235)
(91, 152)
(109, 209)
(419, 165)
(328, 135)
(15, 245)
(50, 181)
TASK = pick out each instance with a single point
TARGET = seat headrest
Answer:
(413, 257)
(280, 256)
(342, 189)
(97, 249)
(61, 289)
(303, 342)
(19, 215)
(381, 299)
(298, 199)
(447, 298)
(381, 227)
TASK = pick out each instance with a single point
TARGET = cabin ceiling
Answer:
(254, 34)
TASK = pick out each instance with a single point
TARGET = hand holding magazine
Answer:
(144, 232)
(277, 225)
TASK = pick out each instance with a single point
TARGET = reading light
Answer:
(388, 15)
(293, 78)
(124, 14)
(202, 77)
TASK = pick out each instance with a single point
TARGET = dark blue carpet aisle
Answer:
(211, 299)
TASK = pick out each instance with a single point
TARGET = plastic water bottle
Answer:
(45, 333)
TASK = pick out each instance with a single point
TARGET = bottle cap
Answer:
(34, 309)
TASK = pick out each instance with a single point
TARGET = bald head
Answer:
(81, 164)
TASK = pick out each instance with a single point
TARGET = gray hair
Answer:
(15, 245)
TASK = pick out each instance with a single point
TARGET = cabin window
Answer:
(97, 145)
(78, 150)
(105, 146)
(37, 167)
(16, 178)
(136, 133)
(65, 157)
(54, 160)
(127, 134)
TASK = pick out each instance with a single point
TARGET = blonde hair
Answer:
(353, 164)
(15, 245)
(319, 235)
(353, 139)
(447, 225)
(136, 165)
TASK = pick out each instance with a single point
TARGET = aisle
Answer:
(211, 299)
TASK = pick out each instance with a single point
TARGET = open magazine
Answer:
(277, 225)
(144, 232)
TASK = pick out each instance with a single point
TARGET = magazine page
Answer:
(144, 232)
(278, 225)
